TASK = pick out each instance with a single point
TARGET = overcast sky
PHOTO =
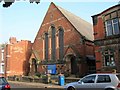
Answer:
(23, 20)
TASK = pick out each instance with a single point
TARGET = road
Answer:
(33, 86)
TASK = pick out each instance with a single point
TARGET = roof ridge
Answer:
(71, 13)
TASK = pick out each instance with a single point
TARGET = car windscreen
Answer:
(2, 81)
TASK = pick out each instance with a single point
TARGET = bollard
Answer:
(114, 71)
(61, 80)
(48, 78)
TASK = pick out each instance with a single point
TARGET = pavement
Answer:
(37, 85)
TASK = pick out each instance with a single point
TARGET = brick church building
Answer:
(65, 42)
(107, 39)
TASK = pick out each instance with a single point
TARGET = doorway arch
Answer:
(71, 62)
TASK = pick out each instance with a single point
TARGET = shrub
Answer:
(38, 75)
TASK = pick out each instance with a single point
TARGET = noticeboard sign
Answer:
(51, 69)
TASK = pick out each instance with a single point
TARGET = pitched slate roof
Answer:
(82, 26)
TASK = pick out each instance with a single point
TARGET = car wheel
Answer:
(71, 88)
(109, 89)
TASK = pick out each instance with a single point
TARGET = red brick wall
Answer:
(71, 35)
(18, 58)
(99, 29)
(98, 58)
(99, 35)
(89, 48)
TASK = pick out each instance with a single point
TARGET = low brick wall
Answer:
(52, 79)
(11, 78)
(25, 79)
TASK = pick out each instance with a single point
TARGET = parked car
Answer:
(96, 82)
(4, 85)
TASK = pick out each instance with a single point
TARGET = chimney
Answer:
(12, 40)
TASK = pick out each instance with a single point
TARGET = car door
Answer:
(1, 83)
(87, 83)
(103, 81)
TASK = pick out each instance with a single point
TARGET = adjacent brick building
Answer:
(64, 40)
(1, 60)
(107, 39)
(16, 57)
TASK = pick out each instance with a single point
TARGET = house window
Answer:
(116, 29)
(109, 28)
(2, 55)
(109, 59)
(112, 27)
(2, 68)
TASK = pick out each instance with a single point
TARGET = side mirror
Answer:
(79, 82)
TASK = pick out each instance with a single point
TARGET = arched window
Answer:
(46, 46)
(53, 42)
(61, 43)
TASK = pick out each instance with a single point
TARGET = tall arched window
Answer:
(61, 43)
(53, 42)
(46, 46)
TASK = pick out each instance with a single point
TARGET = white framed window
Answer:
(108, 27)
(112, 27)
(2, 55)
(109, 59)
(2, 68)
(115, 23)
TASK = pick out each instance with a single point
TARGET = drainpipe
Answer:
(84, 48)
(84, 54)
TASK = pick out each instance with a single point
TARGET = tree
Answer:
(119, 2)
(8, 3)
(3, 45)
